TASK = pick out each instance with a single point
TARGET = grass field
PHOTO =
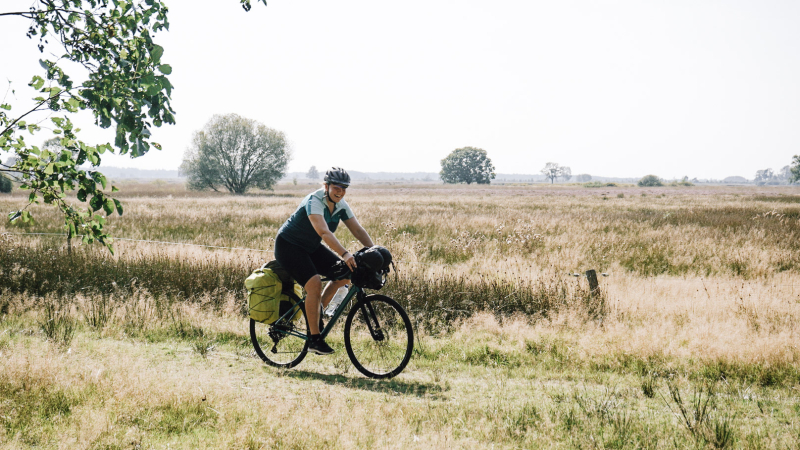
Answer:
(694, 342)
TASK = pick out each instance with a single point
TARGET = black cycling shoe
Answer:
(319, 347)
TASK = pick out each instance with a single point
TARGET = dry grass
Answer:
(704, 289)
(509, 384)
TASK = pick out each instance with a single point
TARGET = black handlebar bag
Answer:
(372, 267)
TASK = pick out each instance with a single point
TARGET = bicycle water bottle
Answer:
(336, 300)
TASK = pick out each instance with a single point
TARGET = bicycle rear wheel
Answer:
(277, 348)
(378, 337)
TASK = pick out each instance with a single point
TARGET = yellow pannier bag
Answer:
(265, 297)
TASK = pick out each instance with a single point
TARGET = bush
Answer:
(599, 184)
(5, 184)
(650, 181)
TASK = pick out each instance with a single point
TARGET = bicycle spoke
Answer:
(378, 337)
(282, 344)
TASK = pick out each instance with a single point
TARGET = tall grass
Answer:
(43, 269)
(728, 232)
(703, 289)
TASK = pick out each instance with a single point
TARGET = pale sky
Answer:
(706, 89)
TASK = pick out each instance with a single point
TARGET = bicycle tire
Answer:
(381, 351)
(278, 349)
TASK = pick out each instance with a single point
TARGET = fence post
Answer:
(597, 307)
(594, 286)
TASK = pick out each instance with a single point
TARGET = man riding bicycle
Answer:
(299, 249)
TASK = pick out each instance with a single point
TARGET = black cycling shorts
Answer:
(300, 264)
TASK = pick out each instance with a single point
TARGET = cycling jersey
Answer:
(298, 229)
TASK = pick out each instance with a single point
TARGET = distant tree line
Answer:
(787, 175)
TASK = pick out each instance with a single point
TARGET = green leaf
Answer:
(108, 206)
(82, 194)
(100, 178)
(156, 53)
(166, 69)
(119, 206)
(114, 189)
(14, 215)
(37, 82)
(96, 202)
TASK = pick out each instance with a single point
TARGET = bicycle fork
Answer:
(369, 317)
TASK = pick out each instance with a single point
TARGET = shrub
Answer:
(650, 181)
(5, 184)
(684, 182)
(599, 184)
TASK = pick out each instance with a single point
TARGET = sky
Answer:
(704, 89)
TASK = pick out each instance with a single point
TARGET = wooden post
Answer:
(597, 305)
(594, 286)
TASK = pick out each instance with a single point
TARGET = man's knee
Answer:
(314, 284)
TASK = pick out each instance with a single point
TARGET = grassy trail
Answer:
(484, 384)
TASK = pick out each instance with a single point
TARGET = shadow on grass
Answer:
(392, 386)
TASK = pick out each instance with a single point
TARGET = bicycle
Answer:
(377, 334)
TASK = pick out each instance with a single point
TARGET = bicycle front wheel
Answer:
(279, 344)
(378, 337)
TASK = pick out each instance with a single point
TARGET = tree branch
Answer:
(35, 108)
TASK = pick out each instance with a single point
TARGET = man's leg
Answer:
(330, 289)
(313, 290)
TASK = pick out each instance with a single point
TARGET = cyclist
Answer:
(299, 249)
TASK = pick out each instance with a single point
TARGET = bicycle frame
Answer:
(354, 291)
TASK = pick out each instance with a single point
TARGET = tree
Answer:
(235, 153)
(583, 178)
(552, 171)
(764, 176)
(650, 181)
(734, 179)
(566, 173)
(312, 173)
(795, 169)
(467, 165)
(5, 184)
(104, 60)
(785, 174)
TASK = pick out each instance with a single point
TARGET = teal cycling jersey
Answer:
(298, 229)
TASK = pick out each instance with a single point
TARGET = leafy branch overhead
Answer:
(104, 60)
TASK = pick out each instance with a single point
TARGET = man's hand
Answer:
(350, 261)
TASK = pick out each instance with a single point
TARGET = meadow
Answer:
(692, 342)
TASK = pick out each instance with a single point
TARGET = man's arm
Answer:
(358, 231)
(321, 227)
